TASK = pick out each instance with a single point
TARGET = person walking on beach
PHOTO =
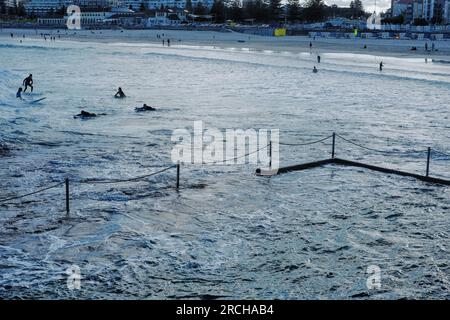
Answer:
(318, 59)
(381, 66)
(426, 46)
(163, 42)
(28, 82)
(168, 42)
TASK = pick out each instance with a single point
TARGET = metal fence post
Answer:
(270, 154)
(67, 197)
(178, 174)
(334, 145)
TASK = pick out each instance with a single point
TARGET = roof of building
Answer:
(404, 2)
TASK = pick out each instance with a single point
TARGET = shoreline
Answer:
(294, 44)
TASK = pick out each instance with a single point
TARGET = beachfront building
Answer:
(180, 4)
(13, 3)
(45, 7)
(168, 17)
(446, 17)
(88, 18)
(404, 8)
(433, 10)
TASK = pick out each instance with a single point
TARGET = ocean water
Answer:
(226, 233)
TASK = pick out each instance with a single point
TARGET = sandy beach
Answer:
(379, 47)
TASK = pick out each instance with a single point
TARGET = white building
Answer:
(88, 18)
(401, 7)
(13, 3)
(181, 4)
(43, 7)
(168, 17)
(446, 14)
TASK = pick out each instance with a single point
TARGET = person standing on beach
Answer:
(163, 42)
(381, 66)
(310, 45)
(318, 59)
(168, 42)
(426, 46)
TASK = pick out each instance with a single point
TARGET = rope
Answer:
(305, 144)
(30, 194)
(440, 152)
(376, 150)
(124, 180)
(235, 158)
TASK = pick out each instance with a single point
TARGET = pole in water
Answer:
(178, 174)
(67, 197)
(270, 154)
(428, 161)
(334, 144)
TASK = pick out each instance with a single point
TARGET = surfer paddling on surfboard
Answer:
(145, 107)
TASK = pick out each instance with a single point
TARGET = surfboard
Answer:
(34, 101)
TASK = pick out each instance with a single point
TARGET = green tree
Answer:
(420, 22)
(274, 10)
(189, 6)
(2, 6)
(314, 10)
(293, 10)
(21, 12)
(218, 11)
(356, 8)
(261, 11)
(235, 11)
(200, 9)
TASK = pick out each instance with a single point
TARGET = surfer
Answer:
(381, 66)
(28, 82)
(315, 69)
(85, 115)
(19, 93)
(119, 93)
(145, 107)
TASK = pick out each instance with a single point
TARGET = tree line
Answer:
(270, 11)
(249, 11)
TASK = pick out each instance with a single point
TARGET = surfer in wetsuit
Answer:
(315, 69)
(119, 93)
(28, 82)
(145, 107)
(19, 93)
(84, 114)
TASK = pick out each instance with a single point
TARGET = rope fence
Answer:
(66, 182)
(429, 151)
